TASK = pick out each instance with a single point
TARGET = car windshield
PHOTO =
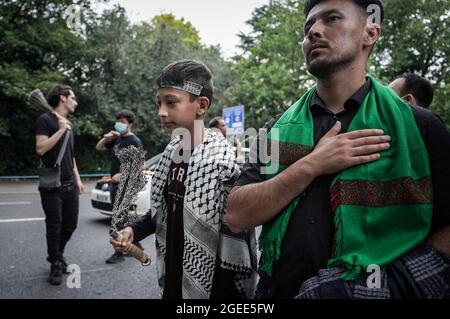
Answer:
(153, 162)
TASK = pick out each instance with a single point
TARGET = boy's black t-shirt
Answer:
(47, 124)
(174, 194)
(119, 143)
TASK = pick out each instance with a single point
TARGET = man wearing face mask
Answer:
(120, 137)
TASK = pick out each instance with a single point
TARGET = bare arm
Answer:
(255, 204)
(77, 177)
(45, 143)
(105, 139)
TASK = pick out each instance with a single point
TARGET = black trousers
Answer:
(61, 218)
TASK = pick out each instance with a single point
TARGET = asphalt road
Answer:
(24, 270)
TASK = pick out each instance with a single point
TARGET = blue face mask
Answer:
(120, 127)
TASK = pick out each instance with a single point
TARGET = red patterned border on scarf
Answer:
(290, 152)
(403, 191)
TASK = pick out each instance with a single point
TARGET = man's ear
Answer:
(203, 105)
(409, 98)
(372, 34)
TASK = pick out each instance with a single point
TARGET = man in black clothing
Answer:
(339, 64)
(414, 89)
(60, 205)
(120, 137)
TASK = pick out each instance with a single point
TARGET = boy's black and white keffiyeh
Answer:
(207, 239)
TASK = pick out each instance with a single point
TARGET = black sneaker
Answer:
(117, 257)
(64, 266)
(55, 277)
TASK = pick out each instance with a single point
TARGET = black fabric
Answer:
(47, 124)
(174, 192)
(116, 145)
(61, 217)
(307, 244)
(224, 286)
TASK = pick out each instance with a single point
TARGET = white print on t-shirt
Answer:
(173, 176)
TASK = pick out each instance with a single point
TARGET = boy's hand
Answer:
(124, 240)
(148, 173)
(111, 135)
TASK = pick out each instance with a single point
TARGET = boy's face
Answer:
(176, 109)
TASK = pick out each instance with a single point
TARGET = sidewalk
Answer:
(31, 187)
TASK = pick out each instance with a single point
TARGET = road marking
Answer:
(46, 276)
(18, 220)
(15, 203)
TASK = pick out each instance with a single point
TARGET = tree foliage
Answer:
(113, 67)
(271, 72)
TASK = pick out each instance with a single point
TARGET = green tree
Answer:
(416, 39)
(36, 50)
(271, 72)
(113, 66)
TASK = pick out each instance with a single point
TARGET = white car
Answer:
(101, 195)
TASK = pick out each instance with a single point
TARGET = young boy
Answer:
(198, 256)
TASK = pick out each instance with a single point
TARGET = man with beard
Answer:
(353, 184)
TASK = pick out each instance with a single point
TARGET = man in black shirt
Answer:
(120, 137)
(414, 89)
(339, 64)
(60, 205)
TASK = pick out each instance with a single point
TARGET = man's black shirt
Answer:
(307, 244)
(119, 143)
(47, 124)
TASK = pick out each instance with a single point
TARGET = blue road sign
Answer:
(234, 118)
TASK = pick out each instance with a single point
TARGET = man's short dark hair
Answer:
(188, 70)
(310, 4)
(419, 87)
(215, 121)
(125, 114)
(54, 94)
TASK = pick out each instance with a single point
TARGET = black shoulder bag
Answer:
(50, 177)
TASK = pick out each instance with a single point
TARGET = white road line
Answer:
(14, 203)
(18, 220)
(46, 276)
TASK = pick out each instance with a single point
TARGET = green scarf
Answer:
(382, 209)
